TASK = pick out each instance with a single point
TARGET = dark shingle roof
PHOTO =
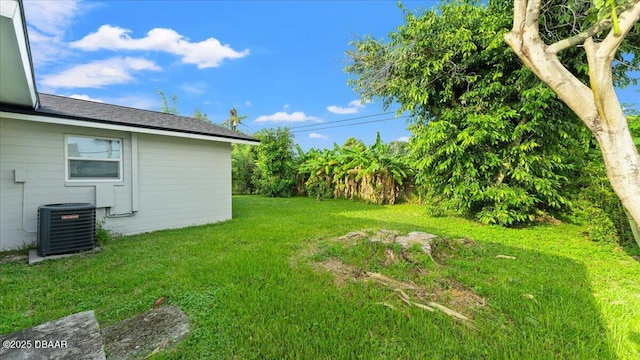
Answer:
(91, 111)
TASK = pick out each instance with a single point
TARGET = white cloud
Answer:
(282, 116)
(314, 135)
(116, 70)
(403, 139)
(47, 23)
(205, 54)
(51, 17)
(85, 97)
(354, 107)
(198, 88)
(247, 103)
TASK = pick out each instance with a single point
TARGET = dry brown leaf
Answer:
(158, 302)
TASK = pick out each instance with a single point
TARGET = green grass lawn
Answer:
(252, 290)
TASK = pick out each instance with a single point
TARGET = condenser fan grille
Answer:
(65, 228)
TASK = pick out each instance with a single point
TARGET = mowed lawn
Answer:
(252, 288)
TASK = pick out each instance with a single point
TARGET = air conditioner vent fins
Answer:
(66, 228)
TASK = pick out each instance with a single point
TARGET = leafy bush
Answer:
(319, 188)
(315, 169)
(597, 205)
(274, 172)
(243, 164)
(600, 227)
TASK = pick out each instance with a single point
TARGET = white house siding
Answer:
(181, 181)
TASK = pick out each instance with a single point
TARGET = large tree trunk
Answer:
(623, 165)
(597, 106)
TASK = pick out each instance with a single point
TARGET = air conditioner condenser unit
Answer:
(66, 228)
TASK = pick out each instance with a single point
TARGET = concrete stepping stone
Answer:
(146, 333)
(74, 337)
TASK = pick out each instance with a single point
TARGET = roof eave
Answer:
(30, 115)
(14, 10)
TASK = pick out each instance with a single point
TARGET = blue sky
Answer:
(280, 63)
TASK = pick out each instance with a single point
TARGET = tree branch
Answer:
(627, 19)
(578, 39)
(533, 14)
(519, 15)
(525, 40)
(515, 38)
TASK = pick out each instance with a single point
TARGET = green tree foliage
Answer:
(489, 139)
(608, 9)
(197, 114)
(598, 207)
(168, 106)
(634, 127)
(373, 173)
(317, 168)
(300, 177)
(274, 173)
(243, 164)
(233, 120)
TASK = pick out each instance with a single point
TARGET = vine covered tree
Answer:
(608, 32)
(482, 139)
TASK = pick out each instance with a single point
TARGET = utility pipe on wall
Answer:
(134, 182)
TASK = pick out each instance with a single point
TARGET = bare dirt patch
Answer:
(460, 302)
(462, 298)
(341, 272)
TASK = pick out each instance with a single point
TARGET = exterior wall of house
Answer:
(182, 182)
(170, 182)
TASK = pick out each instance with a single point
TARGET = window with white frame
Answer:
(93, 158)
